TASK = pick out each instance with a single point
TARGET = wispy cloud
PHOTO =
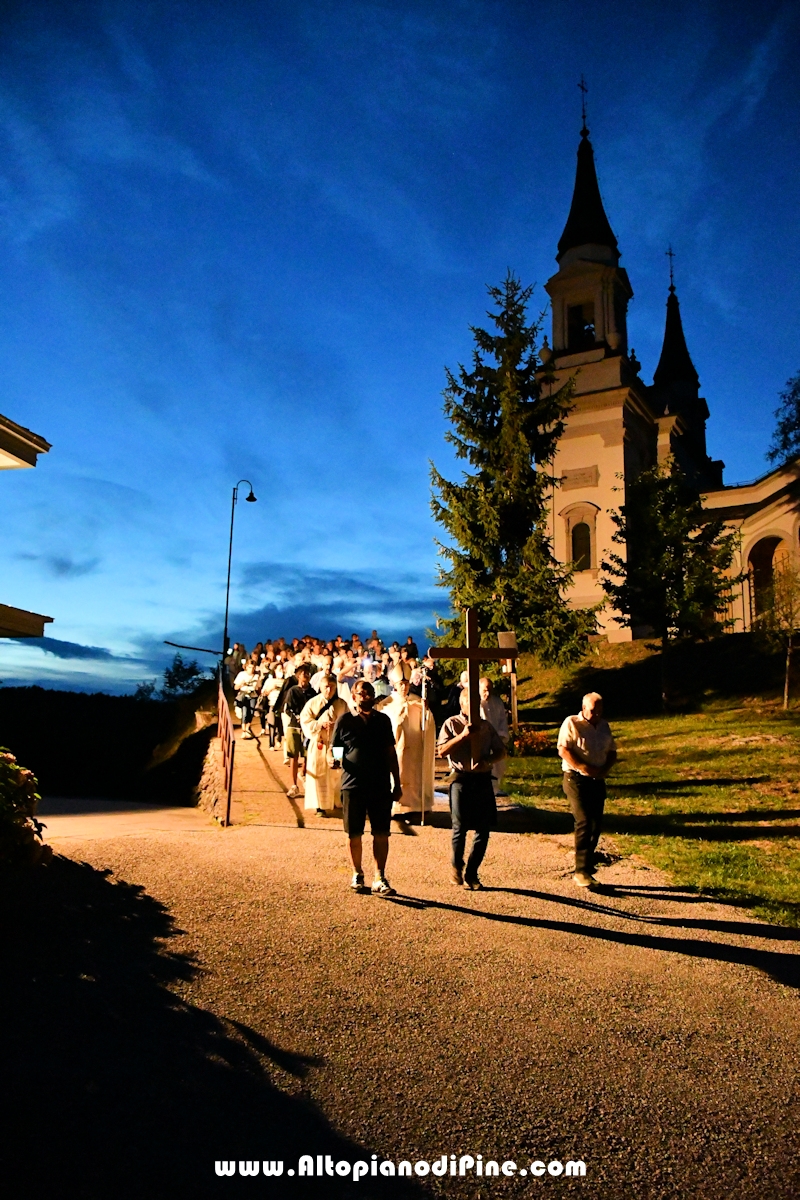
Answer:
(299, 600)
(36, 189)
(66, 649)
(62, 566)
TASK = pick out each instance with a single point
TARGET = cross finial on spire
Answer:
(670, 253)
(583, 90)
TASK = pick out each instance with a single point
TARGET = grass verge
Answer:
(712, 797)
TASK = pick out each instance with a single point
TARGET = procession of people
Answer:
(357, 723)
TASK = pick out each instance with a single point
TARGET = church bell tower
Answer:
(590, 292)
(611, 433)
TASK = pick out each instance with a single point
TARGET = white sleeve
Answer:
(566, 735)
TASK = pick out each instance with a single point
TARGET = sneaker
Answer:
(247, 734)
(457, 875)
(474, 885)
(357, 882)
(382, 887)
(583, 879)
(293, 792)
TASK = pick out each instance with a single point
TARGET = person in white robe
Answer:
(416, 746)
(494, 711)
(317, 720)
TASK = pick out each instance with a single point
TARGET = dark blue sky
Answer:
(244, 239)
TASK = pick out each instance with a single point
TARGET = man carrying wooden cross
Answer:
(472, 747)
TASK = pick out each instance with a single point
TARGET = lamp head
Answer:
(250, 498)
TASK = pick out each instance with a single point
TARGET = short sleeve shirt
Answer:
(587, 743)
(368, 752)
(460, 757)
(296, 701)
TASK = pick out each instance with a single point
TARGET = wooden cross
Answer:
(474, 654)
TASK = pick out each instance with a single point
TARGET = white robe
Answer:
(494, 711)
(416, 752)
(322, 782)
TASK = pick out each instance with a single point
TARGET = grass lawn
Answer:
(711, 797)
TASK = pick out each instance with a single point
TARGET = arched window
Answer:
(762, 560)
(580, 327)
(581, 546)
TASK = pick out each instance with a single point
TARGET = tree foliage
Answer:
(180, 679)
(20, 830)
(505, 423)
(786, 438)
(673, 575)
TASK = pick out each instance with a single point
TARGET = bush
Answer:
(528, 742)
(20, 831)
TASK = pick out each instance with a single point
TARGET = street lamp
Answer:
(250, 498)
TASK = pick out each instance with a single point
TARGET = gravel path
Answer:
(223, 995)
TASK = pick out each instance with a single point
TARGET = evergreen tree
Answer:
(673, 576)
(786, 438)
(506, 424)
(181, 677)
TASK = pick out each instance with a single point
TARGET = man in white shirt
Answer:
(588, 753)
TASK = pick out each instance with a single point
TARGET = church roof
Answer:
(675, 364)
(587, 222)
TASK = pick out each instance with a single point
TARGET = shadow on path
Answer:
(778, 933)
(112, 1085)
(708, 826)
(783, 968)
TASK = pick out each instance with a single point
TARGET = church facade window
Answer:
(580, 521)
(582, 546)
(580, 327)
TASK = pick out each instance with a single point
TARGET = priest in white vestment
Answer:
(317, 720)
(416, 747)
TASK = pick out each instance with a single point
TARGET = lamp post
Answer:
(251, 500)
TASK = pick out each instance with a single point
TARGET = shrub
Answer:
(20, 831)
(527, 742)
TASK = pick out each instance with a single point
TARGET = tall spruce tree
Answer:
(673, 576)
(785, 443)
(506, 424)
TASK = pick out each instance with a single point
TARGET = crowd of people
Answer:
(263, 674)
(357, 722)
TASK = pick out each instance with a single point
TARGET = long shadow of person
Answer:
(113, 1085)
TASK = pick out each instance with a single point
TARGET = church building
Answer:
(620, 425)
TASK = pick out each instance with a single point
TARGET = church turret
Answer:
(675, 367)
(590, 291)
(676, 393)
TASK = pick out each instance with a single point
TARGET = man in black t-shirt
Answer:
(370, 781)
(296, 699)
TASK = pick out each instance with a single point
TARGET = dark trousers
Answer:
(586, 799)
(472, 806)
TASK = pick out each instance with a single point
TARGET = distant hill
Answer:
(113, 747)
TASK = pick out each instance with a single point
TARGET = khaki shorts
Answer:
(294, 742)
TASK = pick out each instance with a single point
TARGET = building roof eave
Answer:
(19, 447)
(19, 623)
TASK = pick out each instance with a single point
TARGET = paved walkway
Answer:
(646, 1031)
(261, 780)
(89, 819)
